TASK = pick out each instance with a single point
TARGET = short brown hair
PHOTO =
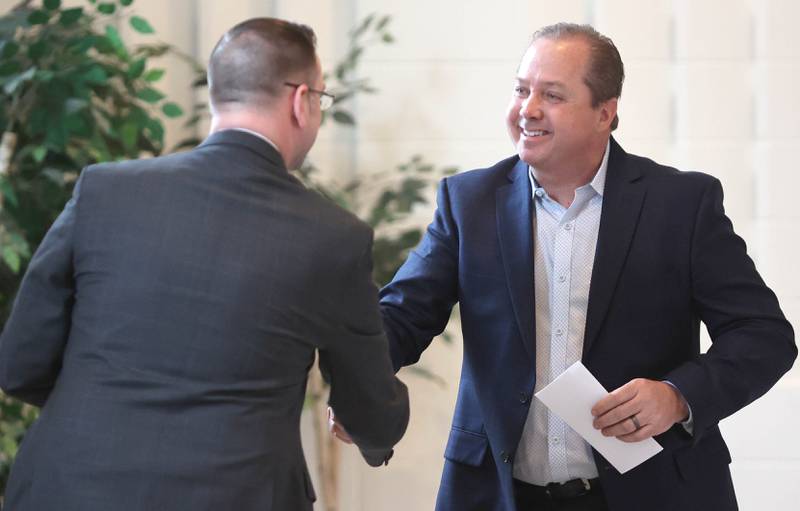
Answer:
(252, 60)
(606, 72)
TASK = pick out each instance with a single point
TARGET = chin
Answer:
(529, 156)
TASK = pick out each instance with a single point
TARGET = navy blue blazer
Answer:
(667, 259)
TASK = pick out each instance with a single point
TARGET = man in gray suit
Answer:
(168, 320)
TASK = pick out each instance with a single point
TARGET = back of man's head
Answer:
(252, 61)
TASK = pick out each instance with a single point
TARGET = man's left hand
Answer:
(640, 409)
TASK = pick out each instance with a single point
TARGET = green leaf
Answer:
(82, 44)
(10, 68)
(116, 41)
(39, 154)
(10, 48)
(136, 68)
(343, 117)
(129, 133)
(125, 3)
(38, 17)
(38, 50)
(149, 95)
(172, 110)
(141, 25)
(96, 75)
(156, 130)
(52, 5)
(383, 22)
(12, 260)
(388, 38)
(153, 75)
(8, 193)
(44, 76)
(70, 16)
(106, 8)
(364, 25)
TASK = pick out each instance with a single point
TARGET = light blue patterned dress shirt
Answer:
(564, 247)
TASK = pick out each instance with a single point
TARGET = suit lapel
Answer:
(623, 196)
(515, 232)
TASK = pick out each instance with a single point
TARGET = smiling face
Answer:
(550, 117)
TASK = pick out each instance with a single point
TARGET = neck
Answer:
(263, 123)
(560, 182)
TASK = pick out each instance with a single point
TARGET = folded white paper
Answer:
(571, 396)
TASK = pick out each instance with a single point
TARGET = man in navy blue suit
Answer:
(575, 250)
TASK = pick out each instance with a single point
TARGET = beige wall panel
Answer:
(467, 29)
(436, 101)
(776, 28)
(777, 179)
(646, 107)
(713, 29)
(777, 100)
(649, 38)
(714, 100)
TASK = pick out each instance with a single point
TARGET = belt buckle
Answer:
(568, 490)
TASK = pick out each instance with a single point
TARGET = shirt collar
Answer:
(597, 183)
(259, 135)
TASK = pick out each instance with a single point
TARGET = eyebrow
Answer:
(552, 83)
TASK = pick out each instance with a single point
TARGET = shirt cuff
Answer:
(688, 424)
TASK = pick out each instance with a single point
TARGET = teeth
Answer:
(534, 133)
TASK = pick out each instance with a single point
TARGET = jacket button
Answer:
(506, 457)
(523, 398)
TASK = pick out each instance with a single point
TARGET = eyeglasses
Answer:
(325, 98)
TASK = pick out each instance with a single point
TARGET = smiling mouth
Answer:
(534, 133)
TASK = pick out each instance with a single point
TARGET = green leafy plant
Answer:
(72, 93)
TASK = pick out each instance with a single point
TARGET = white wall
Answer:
(711, 85)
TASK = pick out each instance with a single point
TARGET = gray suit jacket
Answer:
(166, 326)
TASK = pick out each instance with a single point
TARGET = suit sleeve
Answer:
(416, 305)
(36, 333)
(369, 401)
(753, 344)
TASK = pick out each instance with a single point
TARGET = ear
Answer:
(300, 105)
(607, 111)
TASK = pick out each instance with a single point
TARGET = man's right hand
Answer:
(337, 429)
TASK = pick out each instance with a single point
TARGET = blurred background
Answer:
(711, 86)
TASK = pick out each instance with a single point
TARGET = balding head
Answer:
(252, 61)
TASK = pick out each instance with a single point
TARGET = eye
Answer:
(551, 96)
(521, 91)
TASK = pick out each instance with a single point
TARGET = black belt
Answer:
(560, 491)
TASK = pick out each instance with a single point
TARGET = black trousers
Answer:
(528, 499)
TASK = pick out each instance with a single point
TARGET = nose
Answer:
(531, 108)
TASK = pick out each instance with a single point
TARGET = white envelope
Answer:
(571, 396)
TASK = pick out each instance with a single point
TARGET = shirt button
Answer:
(539, 193)
(567, 227)
(559, 332)
(562, 278)
(555, 440)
